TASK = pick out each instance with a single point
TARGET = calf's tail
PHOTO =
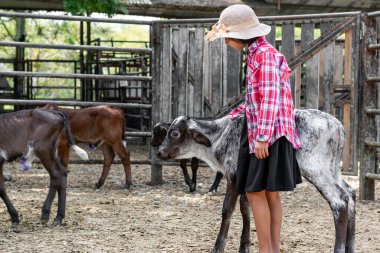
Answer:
(123, 130)
(70, 139)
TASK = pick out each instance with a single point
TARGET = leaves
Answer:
(86, 7)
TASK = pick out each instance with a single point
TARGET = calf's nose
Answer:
(162, 155)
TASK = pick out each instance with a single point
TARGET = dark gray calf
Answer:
(34, 133)
(159, 133)
(217, 143)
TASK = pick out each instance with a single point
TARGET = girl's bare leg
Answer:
(275, 207)
(262, 218)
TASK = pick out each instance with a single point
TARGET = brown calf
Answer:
(102, 126)
(28, 134)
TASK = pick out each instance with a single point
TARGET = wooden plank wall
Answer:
(196, 74)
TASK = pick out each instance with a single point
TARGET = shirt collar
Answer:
(256, 45)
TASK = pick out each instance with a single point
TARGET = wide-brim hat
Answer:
(238, 21)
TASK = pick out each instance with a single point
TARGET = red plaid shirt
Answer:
(268, 101)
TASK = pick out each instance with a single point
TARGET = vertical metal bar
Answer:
(81, 62)
(20, 61)
(89, 90)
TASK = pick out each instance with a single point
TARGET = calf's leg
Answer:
(246, 215)
(350, 239)
(229, 204)
(182, 164)
(108, 156)
(122, 151)
(218, 178)
(64, 153)
(61, 193)
(3, 194)
(58, 176)
(194, 171)
(338, 201)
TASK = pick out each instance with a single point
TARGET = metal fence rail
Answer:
(78, 76)
(74, 47)
(74, 18)
(71, 103)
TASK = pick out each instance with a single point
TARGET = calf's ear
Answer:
(158, 136)
(200, 137)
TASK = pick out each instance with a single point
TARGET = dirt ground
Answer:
(164, 218)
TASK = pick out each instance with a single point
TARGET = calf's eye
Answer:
(175, 134)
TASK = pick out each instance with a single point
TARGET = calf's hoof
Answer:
(44, 220)
(98, 185)
(218, 249)
(192, 187)
(57, 222)
(15, 220)
(127, 186)
(211, 192)
(15, 224)
(244, 249)
(45, 217)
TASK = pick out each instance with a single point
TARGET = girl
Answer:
(267, 161)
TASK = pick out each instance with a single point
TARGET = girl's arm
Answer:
(237, 111)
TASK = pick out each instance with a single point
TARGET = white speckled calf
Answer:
(217, 143)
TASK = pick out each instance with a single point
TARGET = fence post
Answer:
(368, 129)
(156, 168)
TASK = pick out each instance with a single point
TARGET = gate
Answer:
(102, 72)
(204, 80)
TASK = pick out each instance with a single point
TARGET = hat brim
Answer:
(252, 32)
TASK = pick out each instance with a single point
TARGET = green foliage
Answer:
(86, 7)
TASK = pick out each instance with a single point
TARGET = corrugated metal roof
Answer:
(139, 2)
(212, 3)
(363, 4)
(191, 8)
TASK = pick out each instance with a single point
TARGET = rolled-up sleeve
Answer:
(237, 111)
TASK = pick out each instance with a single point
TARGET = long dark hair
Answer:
(248, 42)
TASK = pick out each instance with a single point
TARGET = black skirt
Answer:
(278, 172)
